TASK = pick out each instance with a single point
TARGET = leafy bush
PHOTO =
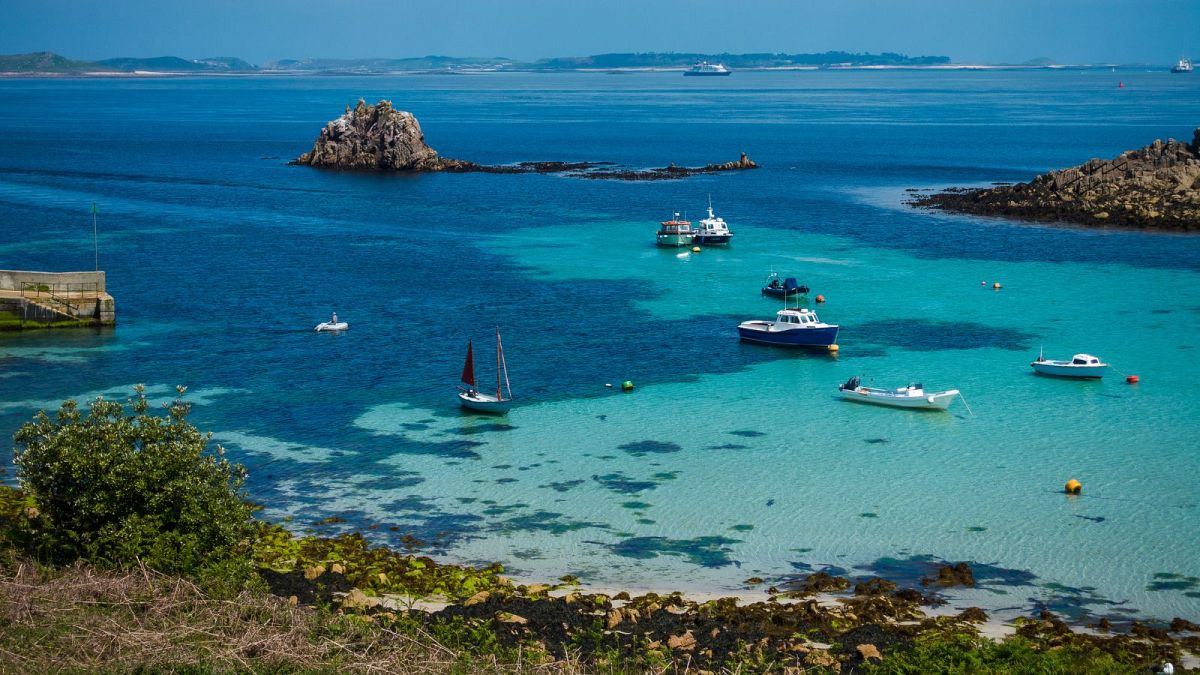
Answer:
(116, 486)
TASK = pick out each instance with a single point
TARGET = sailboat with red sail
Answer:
(473, 399)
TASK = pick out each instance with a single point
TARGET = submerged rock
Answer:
(1156, 187)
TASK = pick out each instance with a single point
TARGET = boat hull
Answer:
(691, 73)
(674, 240)
(711, 239)
(940, 400)
(1068, 370)
(484, 403)
(780, 292)
(763, 332)
(331, 327)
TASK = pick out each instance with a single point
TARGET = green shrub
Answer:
(119, 486)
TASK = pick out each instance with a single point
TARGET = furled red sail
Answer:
(468, 376)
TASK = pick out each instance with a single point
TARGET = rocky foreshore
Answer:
(1154, 188)
(381, 138)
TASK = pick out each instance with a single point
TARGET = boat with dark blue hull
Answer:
(791, 328)
(787, 289)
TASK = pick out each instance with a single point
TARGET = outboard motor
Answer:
(852, 383)
(803, 289)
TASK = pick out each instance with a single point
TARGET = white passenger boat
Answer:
(1080, 365)
(706, 69)
(1183, 66)
(913, 396)
(332, 324)
(712, 230)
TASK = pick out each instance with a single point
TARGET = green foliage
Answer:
(374, 570)
(118, 486)
(952, 654)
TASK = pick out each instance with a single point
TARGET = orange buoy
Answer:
(832, 348)
(996, 285)
(1131, 379)
(1073, 487)
(820, 298)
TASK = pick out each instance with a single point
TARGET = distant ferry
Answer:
(706, 69)
(1184, 66)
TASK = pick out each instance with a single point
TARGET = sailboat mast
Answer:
(499, 351)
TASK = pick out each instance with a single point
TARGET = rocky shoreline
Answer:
(1154, 188)
(380, 138)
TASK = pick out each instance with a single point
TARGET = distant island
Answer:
(1154, 188)
(49, 63)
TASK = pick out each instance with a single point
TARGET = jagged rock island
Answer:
(380, 138)
(1154, 188)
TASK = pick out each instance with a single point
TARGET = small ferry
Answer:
(713, 229)
(1183, 66)
(1080, 365)
(913, 396)
(791, 328)
(675, 232)
(706, 69)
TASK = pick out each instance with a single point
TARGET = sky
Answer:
(968, 31)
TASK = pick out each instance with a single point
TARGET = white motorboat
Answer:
(332, 324)
(913, 396)
(791, 328)
(713, 230)
(1183, 66)
(1080, 365)
(473, 399)
(704, 68)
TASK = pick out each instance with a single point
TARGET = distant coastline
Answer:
(49, 65)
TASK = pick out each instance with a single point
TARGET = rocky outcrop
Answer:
(1156, 187)
(381, 138)
(374, 138)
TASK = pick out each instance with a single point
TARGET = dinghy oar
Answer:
(964, 400)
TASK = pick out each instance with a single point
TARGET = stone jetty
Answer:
(54, 300)
(381, 138)
(1154, 188)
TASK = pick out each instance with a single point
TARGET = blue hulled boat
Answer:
(787, 289)
(791, 328)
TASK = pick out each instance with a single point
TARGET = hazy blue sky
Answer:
(968, 31)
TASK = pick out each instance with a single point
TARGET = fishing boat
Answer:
(675, 232)
(712, 230)
(913, 396)
(787, 289)
(791, 328)
(332, 324)
(473, 399)
(1183, 66)
(1080, 365)
(706, 69)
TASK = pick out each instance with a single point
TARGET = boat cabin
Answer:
(800, 317)
(1084, 360)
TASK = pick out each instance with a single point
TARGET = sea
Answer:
(727, 460)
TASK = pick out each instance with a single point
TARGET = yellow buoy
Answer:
(1073, 487)
(695, 249)
(627, 385)
(832, 348)
(996, 285)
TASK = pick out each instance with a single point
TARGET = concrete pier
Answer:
(54, 300)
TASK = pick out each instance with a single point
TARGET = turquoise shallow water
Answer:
(728, 460)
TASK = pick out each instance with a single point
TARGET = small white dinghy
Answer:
(913, 396)
(332, 324)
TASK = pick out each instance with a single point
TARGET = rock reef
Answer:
(381, 138)
(1154, 188)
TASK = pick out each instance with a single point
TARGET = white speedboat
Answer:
(913, 396)
(706, 69)
(675, 232)
(332, 324)
(712, 230)
(1080, 365)
(473, 399)
(1184, 66)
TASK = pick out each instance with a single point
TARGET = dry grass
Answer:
(78, 619)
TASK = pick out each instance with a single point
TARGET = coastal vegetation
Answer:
(128, 545)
